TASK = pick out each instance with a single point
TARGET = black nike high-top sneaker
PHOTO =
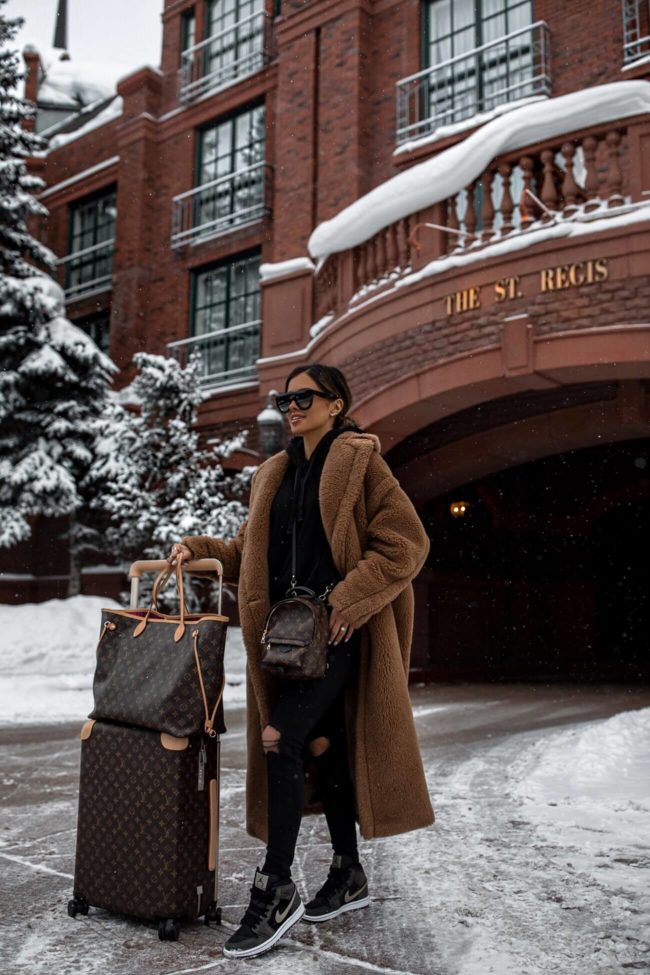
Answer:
(346, 889)
(274, 908)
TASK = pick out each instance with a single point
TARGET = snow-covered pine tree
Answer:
(153, 477)
(53, 378)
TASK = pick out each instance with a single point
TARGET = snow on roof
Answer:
(451, 171)
(110, 111)
(76, 82)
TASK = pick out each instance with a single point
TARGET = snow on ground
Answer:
(537, 863)
(590, 787)
(455, 168)
(46, 670)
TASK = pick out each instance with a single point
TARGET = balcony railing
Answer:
(574, 177)
(226, 57)
(221, 205)
(507, 69)
(88, 271)
(636, 30)
(226, 357)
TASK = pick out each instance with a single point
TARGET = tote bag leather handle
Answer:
(162, 578)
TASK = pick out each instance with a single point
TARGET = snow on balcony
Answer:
(507, 69)
(451, 171)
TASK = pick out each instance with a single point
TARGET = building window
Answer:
(89, 262)
(636, 30)
(225, 321)
(98, 328)
(478, 54)
(237, 43)
(188, 31)
(232, 179)
(477, 82)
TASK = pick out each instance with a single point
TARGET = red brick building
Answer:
(501, 354)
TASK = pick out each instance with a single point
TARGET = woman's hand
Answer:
(179, 553)
(339, 629)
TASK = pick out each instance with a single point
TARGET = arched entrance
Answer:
(544, 576)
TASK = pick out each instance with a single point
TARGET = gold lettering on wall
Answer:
(574, 275)
(466, 300)
(559, 278)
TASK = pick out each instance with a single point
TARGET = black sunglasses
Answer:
(303, 397)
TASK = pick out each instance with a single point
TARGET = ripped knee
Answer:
(319, 746)
(271, 740)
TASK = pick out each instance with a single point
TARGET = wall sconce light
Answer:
(458, 509)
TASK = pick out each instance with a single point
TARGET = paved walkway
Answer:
(449, 900)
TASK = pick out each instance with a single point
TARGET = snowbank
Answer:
(587, 791)
(594, 776)
(450, 171)
(46, 671)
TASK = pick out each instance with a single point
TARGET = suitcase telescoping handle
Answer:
(138, 569)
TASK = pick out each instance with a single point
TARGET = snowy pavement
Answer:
(537, 863)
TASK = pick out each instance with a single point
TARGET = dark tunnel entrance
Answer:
(544, 577)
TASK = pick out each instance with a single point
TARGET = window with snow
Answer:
(225, 319)
(89, 263)
(478, 54)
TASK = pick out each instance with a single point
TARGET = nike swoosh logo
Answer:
(347, 898)
(282, 916)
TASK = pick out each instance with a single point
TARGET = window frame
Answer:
(227, 262)
(478, 23)
(74, 207)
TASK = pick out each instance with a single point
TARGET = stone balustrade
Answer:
(568, 177)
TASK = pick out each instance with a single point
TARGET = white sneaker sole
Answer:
(267, 945)
(352, 906)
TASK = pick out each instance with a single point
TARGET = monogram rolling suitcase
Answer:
(148, 816)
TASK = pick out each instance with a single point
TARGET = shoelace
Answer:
(257, 908)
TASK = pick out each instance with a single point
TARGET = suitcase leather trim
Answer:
(214, 811)
(173, 744)
(87, 729)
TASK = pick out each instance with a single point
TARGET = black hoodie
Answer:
(315, 567)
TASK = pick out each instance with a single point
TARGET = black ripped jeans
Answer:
(307, 710)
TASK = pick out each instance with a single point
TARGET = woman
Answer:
(359, 545)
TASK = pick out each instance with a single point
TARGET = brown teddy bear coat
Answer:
(378, 545)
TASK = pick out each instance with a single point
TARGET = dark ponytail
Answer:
(330, 380)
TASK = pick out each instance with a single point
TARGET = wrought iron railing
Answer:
(221, 205)
(224, 58)
(227, 356)
(636, 30)
(89, 270)
(506, 69)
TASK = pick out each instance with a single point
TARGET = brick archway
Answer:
(590, 386)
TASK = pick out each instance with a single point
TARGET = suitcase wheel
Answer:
(168, 930)
(78, 905)
(213, 913)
